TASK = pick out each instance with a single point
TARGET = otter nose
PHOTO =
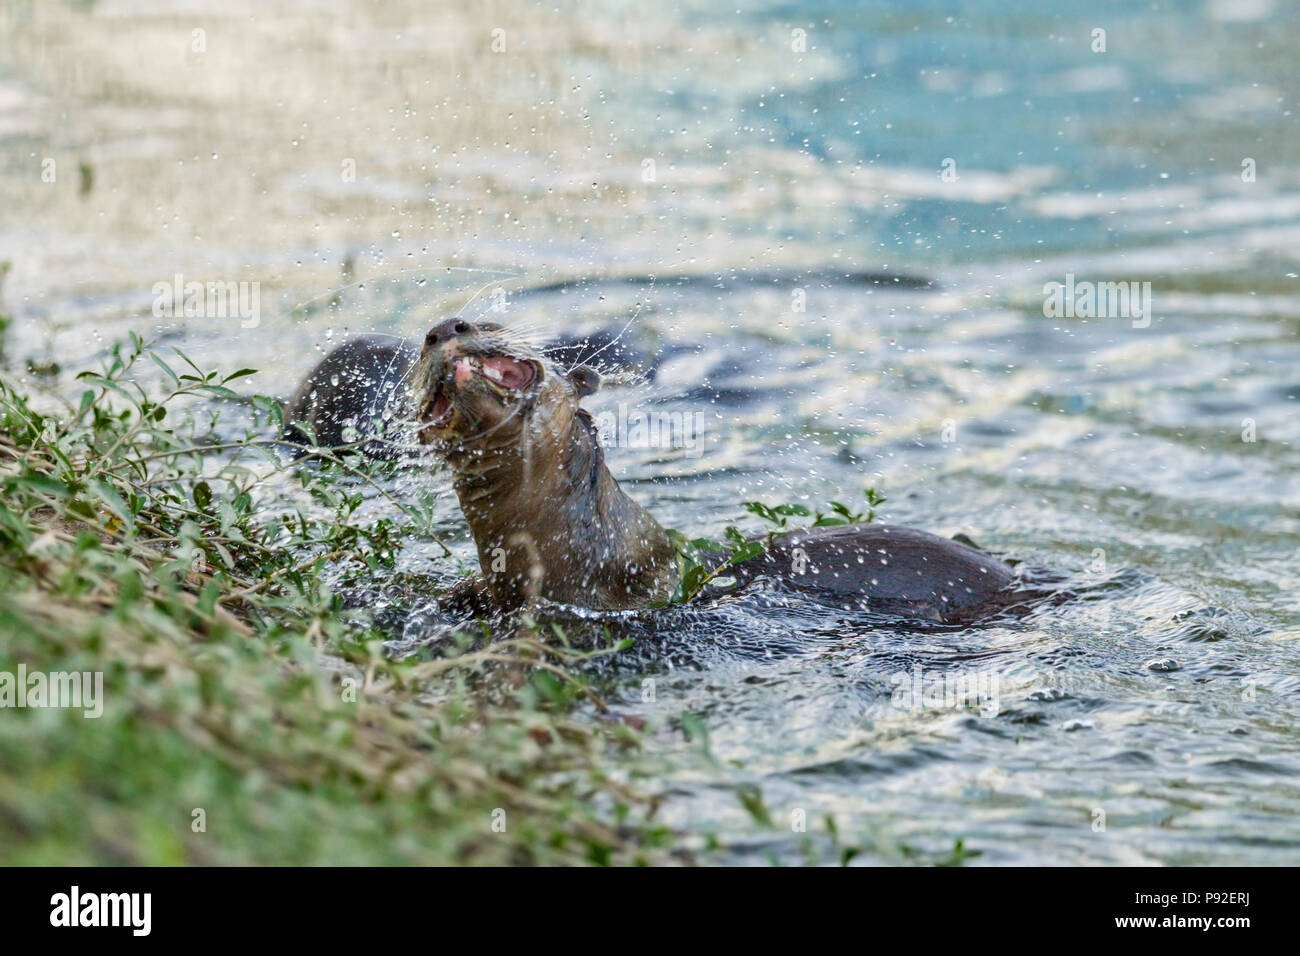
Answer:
(446, 331)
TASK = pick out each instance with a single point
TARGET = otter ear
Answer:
(585, 380)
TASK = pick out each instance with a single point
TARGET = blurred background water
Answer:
(419, 154)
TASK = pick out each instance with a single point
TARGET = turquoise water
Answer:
(1152, 461)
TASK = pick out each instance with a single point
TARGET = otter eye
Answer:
(585, 380)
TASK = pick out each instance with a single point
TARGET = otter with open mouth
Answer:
(550, 521)
(548, 518)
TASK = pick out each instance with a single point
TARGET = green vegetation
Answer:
(6, 320)
(837, 513)
(703, 561)
(248, 716)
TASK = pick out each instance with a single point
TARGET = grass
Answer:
(249, 717)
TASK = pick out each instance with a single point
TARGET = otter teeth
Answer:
(474, 365)
(463, 370)
(486, 370)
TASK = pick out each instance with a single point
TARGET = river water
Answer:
(1150, 457)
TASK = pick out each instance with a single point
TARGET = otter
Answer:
(350, 394)
(550, 521)
(348, 400)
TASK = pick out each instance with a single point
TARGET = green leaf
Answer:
(751, 798)
(695, 730)
(202, 495)
(226, 559)
(167, 369)
(707, 544)
(109, 495)
(44, 485)
(208, 597)
(308, 432)
(549, 687)
(691, 582)
(96, 379)
(218, 391)
(959, 855)
(187, 361)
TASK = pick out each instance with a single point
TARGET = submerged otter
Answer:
(550, 521)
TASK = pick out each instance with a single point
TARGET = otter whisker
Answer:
(530, 333)
(505, 421)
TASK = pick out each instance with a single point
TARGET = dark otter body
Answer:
(913, 573)
(550, 521)
(345, 398)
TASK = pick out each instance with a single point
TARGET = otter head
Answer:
(546, 515)
(478, 390)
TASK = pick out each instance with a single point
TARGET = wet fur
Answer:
(547, 517)
(550, 521)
